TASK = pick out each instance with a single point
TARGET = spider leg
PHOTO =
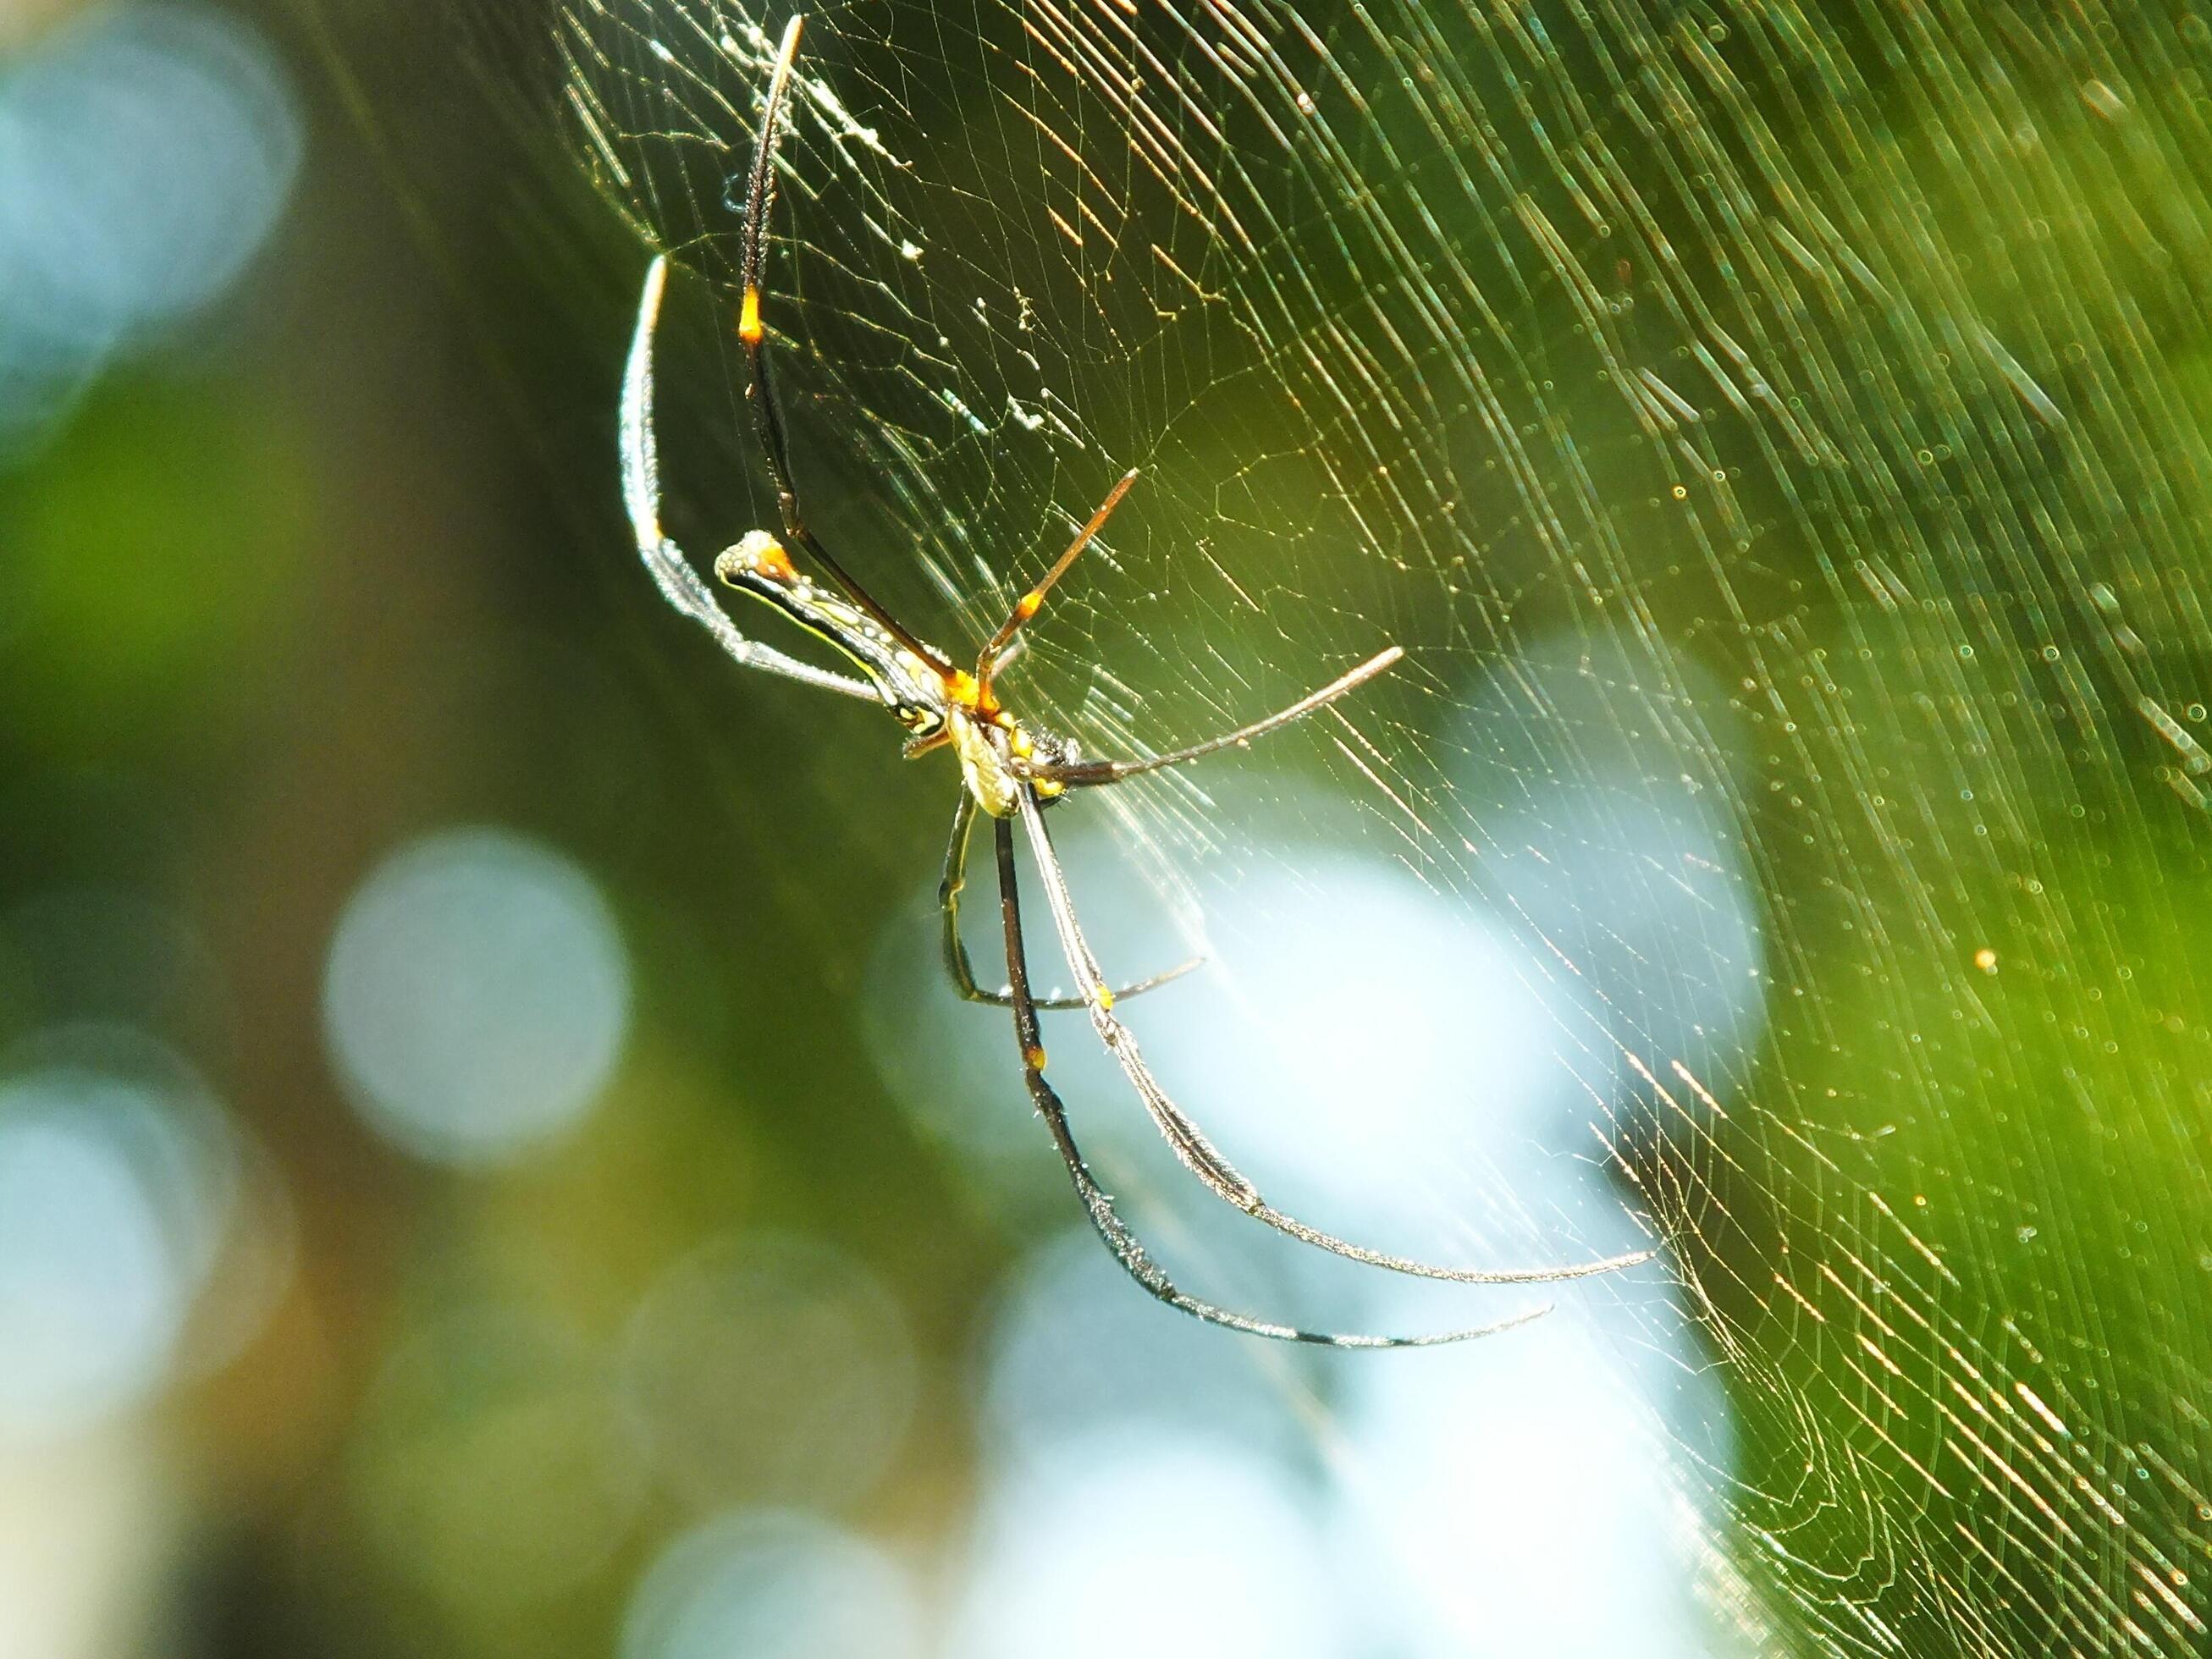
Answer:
(1079, 774)
(1190, 1142)
(957, 964)
(679, 583)
(1126, 1247)
(768, 414)
(987, 663)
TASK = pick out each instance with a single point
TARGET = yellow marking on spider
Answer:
(748, 318)
(1032, 602)
(1035, 1057)
(771, 560)
(1105, 1000)
(960, 687)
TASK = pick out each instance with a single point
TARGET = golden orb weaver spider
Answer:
(1008, 771)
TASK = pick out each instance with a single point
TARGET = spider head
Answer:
(758, 556)
(909, 687)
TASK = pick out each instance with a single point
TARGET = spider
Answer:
(1009, 770)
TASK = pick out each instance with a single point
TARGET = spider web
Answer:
(1775, 434)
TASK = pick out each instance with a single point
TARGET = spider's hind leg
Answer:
(1126, 1247)
(961, 970)
(1199, 1154)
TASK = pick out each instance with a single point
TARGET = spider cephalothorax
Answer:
(1008, 771)
(912, 689)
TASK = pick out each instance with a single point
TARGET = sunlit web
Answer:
(1776, 440)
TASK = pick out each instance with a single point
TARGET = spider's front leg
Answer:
(1075, 774)
(672, 573)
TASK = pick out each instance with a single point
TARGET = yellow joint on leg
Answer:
(960, 688)
(749, 321)
(1035, 1057)
(1031, 603)
(1105, 998)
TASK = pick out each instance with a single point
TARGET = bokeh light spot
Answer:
(1166, 1545)
(494, 1467)
(475, 997)
(771, 1367)
(772, 1585)
(111, 1213)
(1498, 1503)
(145, 155)
(1078, 1349)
